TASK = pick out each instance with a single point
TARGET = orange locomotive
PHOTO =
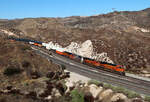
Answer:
(97, 64)
(113, 68)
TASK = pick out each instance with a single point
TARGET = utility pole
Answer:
(55, 30)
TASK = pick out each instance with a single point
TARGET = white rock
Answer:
(86, 84)
(105, 94)
(55, 92)
(85, 49)
(69, 84)
(48, 98)
(140, 29)
(6, 91)
(118, 96)
(8, 32)
(94, 90)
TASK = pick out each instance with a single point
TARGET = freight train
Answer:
(114, 68)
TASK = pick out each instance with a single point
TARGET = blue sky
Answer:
(11, 9)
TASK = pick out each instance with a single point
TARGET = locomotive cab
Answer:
(121, 70)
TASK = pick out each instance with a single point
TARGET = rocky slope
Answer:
(85, 49)
(124, 36)
(24, 74)
(19, 57)
(27, 77)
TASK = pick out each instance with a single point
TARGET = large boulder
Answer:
(86, 49)
(105, 95)
(55, 92)
(137, 100)
(69, 85)
(119, 97)
(95, 90)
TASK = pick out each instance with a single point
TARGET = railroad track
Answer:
(137, 85)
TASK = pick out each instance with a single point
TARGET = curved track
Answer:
(137, 85)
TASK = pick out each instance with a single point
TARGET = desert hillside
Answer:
(124, 36)
(18, 62)
(25, 75)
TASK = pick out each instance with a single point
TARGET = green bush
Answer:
(108, 86)
(95, 82)
(131, 94)
(147, 98)
(118, 89)
(11, 71)
(77, 96)
(114, 88)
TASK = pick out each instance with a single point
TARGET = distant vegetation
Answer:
(26, 48)
(11, 70)
(77, 96)
(147, 98)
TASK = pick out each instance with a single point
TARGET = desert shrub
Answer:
(61, 99)
(24, 48)
(63, 82)
(88, 97)
(35, 74)
(147, 98)
(95, 82)
(131, 94)
(120, 100)
(118, 89)
(114, 88)
(11, 70)
(63, 66)
(25, 64)
(108, 86)
(61, 87)
(77, 96)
